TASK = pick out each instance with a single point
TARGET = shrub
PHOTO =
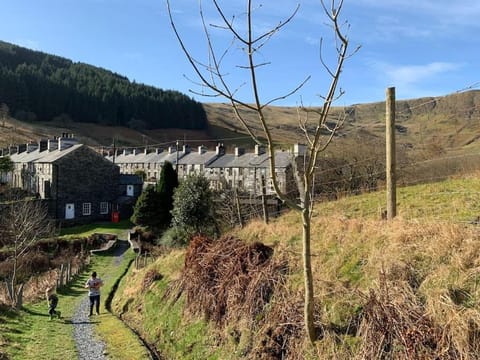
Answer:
(174, 237)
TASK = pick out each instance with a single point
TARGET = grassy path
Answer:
(30, 334)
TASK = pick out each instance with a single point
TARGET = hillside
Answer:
(35, 86)
(401, 289)
(452, 119)
(436, 137)
(450, 122)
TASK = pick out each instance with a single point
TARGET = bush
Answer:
(174, 237)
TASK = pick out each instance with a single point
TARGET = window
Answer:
(104, 207)
(86, 208)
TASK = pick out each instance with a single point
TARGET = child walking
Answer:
(52, 299)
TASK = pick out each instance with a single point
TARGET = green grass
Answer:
(121, 342)
(30, 334)
(455, 200)
(89, 229)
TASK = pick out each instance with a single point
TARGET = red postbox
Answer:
(115, 216)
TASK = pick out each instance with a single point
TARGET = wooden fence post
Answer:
(239, 212)
(390, 151)
(62, 274)
(264, 200)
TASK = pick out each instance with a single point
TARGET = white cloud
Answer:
(412, 78)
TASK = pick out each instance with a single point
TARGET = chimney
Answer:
(42, 145)
(201, 149)
(186, 149)
(136, 151)
(32, 147)
(21, 148)
(12, 150)
(171, 149)
(158, 151)
(259, 149)
(52, 144)
(220, 150)
(299, 149)
(66, 141)
(239, 151)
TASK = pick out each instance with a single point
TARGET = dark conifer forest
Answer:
(41, 87)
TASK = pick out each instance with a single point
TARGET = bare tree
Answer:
(317, 130)
(24, 222)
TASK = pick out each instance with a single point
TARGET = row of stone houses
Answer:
(241, 170)
(80, 184)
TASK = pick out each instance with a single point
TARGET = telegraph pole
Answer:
(391, 158)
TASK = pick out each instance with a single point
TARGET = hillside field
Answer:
(400, 289)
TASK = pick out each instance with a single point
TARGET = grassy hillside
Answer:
(430, 125)
(406, 288)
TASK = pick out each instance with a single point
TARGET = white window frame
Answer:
(104, 207)
(87, 209)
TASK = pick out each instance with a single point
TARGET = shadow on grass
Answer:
(36, 313)
(7, 312)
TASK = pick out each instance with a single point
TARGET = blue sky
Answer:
(421, 47)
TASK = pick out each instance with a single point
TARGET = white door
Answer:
(129, 190)
(69, 211)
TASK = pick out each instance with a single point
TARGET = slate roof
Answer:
(52, 156)
(44, 156)
(127, 179)
(249, 160)
(25, 157)
(142, 158)
(195, 158)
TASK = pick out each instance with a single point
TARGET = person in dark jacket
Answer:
(52, 299)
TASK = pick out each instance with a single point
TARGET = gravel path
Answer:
(88, 345)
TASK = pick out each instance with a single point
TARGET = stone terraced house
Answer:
(78, 184)
(241, 170)
(81, 185)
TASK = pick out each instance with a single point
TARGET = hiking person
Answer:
(93, 285)
(52, 299)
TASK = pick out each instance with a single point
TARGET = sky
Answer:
(420, 47)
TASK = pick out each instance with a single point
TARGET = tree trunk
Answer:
(307, 272)
(19, 297)
(10, 290)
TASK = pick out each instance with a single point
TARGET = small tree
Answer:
(193, 207)
(145, 210)
(166, 186)
(316, 126)
(24, 222)
(6, 166)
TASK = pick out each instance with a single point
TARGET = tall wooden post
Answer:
(264, 200)
(391, 158)
(239, 212)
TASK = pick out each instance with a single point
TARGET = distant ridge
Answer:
(37, 86)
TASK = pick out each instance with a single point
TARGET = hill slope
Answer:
(401, 289)
(41, 87)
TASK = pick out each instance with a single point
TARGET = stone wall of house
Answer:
(84, 176)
